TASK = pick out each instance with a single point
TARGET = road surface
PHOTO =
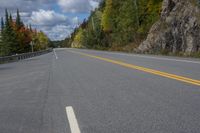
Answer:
(72, 91)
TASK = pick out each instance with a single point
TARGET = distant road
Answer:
(87, 91)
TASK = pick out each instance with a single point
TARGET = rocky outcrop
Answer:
(177, 31)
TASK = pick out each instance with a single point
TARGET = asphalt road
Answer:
(109, 93)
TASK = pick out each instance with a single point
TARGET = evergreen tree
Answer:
(121, 23)
(10, 20)
(6, 35)
(126, 23)
(19, 23)
(2, 24)
(13, 39)
(16, 38)
(7, 25)
(10, 38)
(30, 28)
(1, 37)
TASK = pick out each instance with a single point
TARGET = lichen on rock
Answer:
(178, 29)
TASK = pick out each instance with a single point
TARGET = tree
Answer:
(126, 23)
(19, 23)
(78, 40)
(41, 41)
(16, 38)
(116, 24)
(2, 24)
(107, 16)
(11, 20)
(11, 34)
(5, 36)
(7, 18)
(1, 36)
(30, 28)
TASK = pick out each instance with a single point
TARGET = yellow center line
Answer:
(152, 71)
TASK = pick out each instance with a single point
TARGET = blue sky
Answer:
(57, 18)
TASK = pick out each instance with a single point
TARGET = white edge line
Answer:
(72, 120)
(157, 58)
(168, 59)
(55, 54)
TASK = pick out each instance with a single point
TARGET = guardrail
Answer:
(14, 58)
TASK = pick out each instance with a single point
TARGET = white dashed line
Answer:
(55, 54)
(72, 120)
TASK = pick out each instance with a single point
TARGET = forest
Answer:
(116, 25)
(16, 37)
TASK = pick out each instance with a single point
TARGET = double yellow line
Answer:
(155, 72)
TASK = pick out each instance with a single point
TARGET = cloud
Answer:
(57, 18)
(94, 4)
(57, 26)
(74, 5)
(75, 21)
(59, 31)
(78, 6)
(47, 18)
(26, 5)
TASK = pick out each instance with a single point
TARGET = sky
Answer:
(56, 18)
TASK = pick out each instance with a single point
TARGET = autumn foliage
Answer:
(16, 37)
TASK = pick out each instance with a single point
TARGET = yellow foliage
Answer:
(106, 17)
(77, 43)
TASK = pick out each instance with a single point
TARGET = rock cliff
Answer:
(177, 31)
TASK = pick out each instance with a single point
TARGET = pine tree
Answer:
(1, 37)
(30, 28)
(136, 12)
(16, 37)
(6, 34)
(9, 37)
(7, 25)
(10, 20)
(19, 23)
(15, 44)
(2, 24)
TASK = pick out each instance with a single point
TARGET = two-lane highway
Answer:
(87, 91)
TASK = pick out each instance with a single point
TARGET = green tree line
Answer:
(116, 25)
(15, 37)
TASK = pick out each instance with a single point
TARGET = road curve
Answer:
(87, 91)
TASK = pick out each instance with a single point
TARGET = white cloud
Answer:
(56, 25)
(47, 18)
(59, 32)
(94, 4)
(24, 14)
(77, 6)
(25, 5)
(75, 21)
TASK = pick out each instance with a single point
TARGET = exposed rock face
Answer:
(178, 29)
